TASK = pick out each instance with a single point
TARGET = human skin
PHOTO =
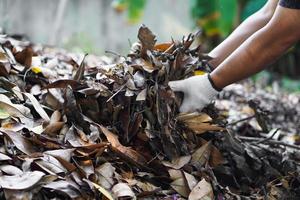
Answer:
(242, 32)
(260, 49)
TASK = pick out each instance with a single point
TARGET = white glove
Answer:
(198, 92)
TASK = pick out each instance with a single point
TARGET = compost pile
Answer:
(87, 127)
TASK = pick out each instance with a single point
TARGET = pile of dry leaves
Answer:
(75, 127)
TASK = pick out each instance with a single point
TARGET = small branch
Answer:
(241, 120)
(274, 142)
(110, 98)
(114, 53)
(268, 138)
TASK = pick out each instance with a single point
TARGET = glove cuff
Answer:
(213, 84)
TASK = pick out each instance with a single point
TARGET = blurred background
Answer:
(94, 26)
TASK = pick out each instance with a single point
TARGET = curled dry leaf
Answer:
(21, 181)
(4, 157)
(122, 190)
(10, 170)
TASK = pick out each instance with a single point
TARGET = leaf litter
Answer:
(87, 127)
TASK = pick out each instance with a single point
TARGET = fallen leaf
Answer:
(147, 38)
(105, 174)
(122, 190)
(126, 151)
(202, 191)
(10, 170)
(66, 187)
(177, 163)
(22, 143)
(37, 106)
(201, 155)
(4, 157)
(183, 183)
(21, 181)
(103, 191)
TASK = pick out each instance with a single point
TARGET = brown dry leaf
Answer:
(200, 128)
(198, 122)
(5, 65)
(22, 143)
(177, 163)
(144, 65)
(24, 57)
(85, 166)
(216, 157)
(183, 183)
(53, 128)
(21, 181)
(202, 191)
(77, 138)
(201, 155)
(80, 71)
(126, 151)
(163, 46)
(194, 117)
(147, 39)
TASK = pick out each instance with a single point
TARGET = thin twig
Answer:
(115, 93)
(269, 142)
(114, 53)
(241, 120)
(268, 138)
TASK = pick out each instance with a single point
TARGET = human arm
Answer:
(261, 49)
(242, 32)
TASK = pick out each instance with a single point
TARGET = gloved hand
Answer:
(198, 92)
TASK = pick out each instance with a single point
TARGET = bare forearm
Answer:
(260, 49)
(242, 32)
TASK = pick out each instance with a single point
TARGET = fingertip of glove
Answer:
(174, 85)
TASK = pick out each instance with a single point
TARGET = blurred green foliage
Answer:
(215, 17)
(135, 8)
(219, 17)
